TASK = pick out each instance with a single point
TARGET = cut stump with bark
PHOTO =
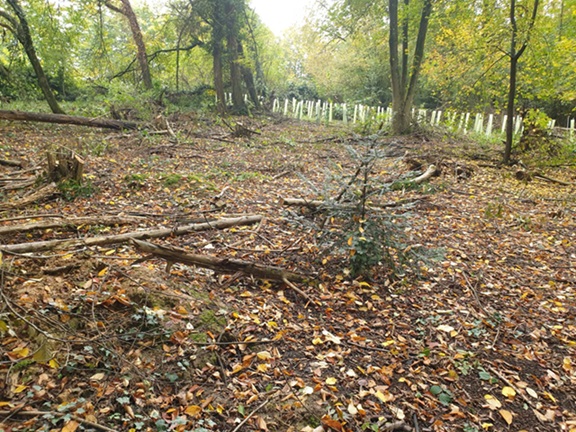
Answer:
(65, 165)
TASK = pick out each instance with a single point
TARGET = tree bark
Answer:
(24, 36)
(127, 10)
(66, 119)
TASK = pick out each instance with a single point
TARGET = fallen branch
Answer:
(73, 222)
(57, 414)
(39, 195)
(527, 176)
(427, 174)
(20, 185)
(220, 265)
(249, 416)
(14, 163)
(315, 204)
(33, 216)
(66, 119)
(123, 238)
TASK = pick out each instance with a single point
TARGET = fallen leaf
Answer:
(493, 403)
(71, 426)
(97, 377)
(445, 328)
(532, 392)
(398, 412)
(509, 392)
(507, 416)
(264, 355)
(331, 381)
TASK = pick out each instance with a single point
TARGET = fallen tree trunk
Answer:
(66, 119)
(220, 265)
(72, 222)
(123, 238)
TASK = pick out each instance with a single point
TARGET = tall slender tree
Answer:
(18, 26)
(125, 9)
(517, 48)
(404, 77)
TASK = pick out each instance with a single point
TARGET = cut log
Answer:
(219, 265)
(42, 246)
(72, 222)
(66, 119)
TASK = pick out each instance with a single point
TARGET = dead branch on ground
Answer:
(63, 244)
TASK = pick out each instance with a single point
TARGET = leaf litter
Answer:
(482, 339)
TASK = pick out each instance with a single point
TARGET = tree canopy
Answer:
(341, 53)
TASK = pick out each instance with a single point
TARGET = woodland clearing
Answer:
(95, 337)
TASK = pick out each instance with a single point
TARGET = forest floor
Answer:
(96, 338)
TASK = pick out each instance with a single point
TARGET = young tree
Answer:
(516, 51)
(125, 9)
(18, 26)
(404, 78)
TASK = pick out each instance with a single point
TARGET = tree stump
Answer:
(65, 165)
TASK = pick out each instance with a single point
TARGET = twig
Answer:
(58, 414)
(366, 347)
(393, 426)
(507, 381)
(38, 216)
(416, 425)
(262, 342)
(282, 174)
(298, 290)
(249, 416)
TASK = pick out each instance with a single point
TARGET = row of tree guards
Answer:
(328, 112)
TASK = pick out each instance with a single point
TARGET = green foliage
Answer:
(368, 236)
(72, 189)
(172, 179)
(444, 396)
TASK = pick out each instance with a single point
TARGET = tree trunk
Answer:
(404, 81)
(217, 39)
(239, 107)
(66, 119)
(514, 57)
(25, 38)
(248, 78)
(128, 12)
